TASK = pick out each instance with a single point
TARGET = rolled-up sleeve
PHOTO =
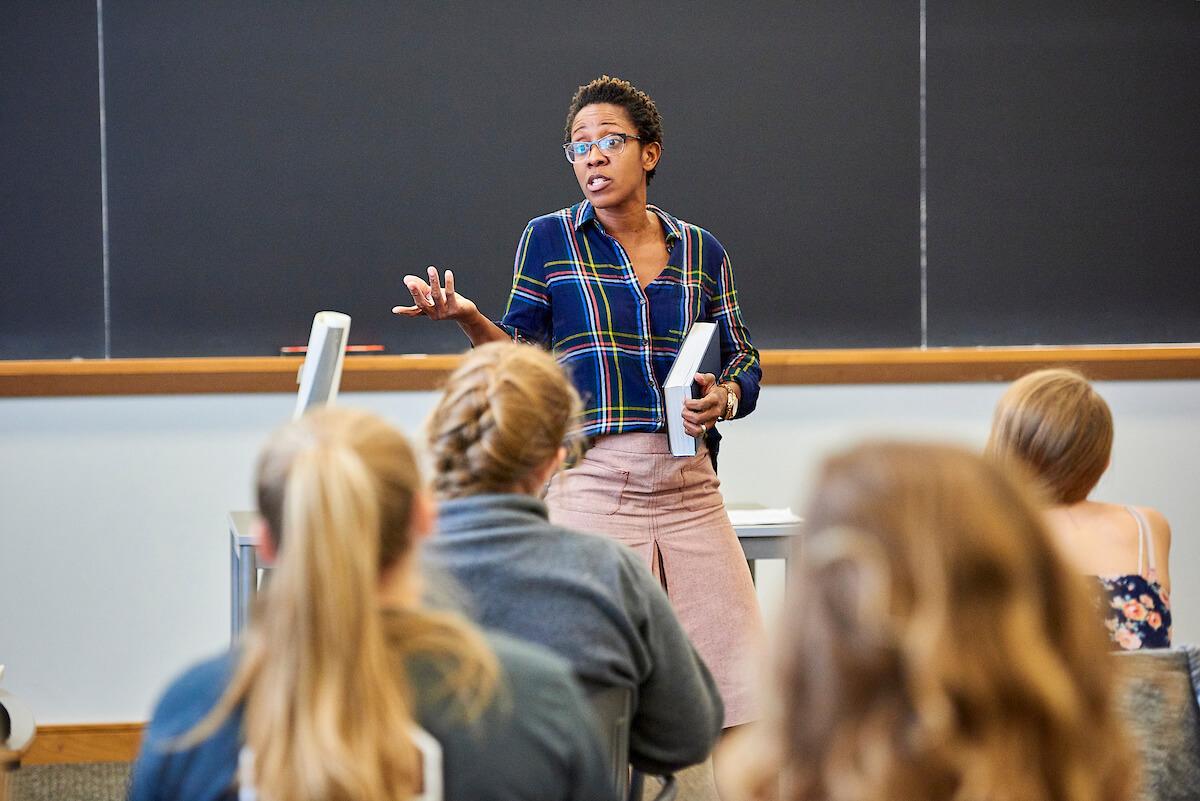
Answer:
(738, 354)
(527, 316)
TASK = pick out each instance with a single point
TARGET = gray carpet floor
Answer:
(99, 781)
(105, 781)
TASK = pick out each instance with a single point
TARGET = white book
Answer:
(321, 374)
(699, 353)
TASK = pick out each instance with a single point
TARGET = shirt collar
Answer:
(585, 213)
(465, 514)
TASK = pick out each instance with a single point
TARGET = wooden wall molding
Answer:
(98, 742)
(968, 365)
(417, 373)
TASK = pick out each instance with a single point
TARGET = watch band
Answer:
(731, 402)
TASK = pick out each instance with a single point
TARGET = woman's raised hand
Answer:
(434, 301)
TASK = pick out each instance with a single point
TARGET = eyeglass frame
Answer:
(624, 137)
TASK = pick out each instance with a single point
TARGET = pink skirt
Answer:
(669, 509)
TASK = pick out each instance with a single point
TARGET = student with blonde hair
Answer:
(344, 688)
(498, 434)
(1054, 424)
(935, 647)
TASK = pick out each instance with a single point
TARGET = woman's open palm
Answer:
(433, 300)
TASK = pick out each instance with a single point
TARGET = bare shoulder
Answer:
(1158, 524)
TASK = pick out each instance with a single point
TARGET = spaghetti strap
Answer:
(1145, 538)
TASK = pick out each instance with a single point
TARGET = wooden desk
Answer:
(766, 542)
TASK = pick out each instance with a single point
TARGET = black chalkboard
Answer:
(266, 160)
(1064, 172)
(51, 265)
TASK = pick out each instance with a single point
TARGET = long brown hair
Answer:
(327, 708)
(1054, 423)
(937, 646)
(504, 413)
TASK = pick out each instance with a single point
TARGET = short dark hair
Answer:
(641, 108)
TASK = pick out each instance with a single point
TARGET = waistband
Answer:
(643, 442)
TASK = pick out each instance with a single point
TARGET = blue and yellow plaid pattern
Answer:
(575, 291)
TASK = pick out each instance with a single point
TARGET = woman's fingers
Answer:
(707, 403)
(432, 300)
(419, 290)
(700, 414)
(706, 381)
(435, 290)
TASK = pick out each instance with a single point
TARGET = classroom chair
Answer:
(1160, 699)
(614, 710)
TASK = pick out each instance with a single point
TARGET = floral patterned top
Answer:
(1138, 614)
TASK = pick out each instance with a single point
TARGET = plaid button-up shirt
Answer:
(575, 291)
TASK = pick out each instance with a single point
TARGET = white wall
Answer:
(114, 568)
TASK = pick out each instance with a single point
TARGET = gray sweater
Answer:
(593, 602)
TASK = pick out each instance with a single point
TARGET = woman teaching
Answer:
(612, 285)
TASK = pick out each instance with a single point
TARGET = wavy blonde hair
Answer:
(938, 648)
(1054, 423)
(322, 674)
(504, 413)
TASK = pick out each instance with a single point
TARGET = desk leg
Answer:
(235, 587)
(247, 584)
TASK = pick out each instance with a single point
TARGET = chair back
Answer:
(1160, 700)
(614, 712)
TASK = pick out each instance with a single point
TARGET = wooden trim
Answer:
(964, 365)
(100, 742)
(212, 375)
(417, 373)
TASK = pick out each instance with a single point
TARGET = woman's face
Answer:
(609, 180)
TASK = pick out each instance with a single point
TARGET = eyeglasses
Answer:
(610, 145)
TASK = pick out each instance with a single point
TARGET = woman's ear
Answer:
(651, 153)
(423, 517)
(262, 539)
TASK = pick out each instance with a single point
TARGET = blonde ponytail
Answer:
(322, 678)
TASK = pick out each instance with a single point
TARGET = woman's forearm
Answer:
(480, 330)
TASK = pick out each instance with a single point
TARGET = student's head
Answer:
(609, 106)
(936, 645)
(502, 421)
(1056, 425)
(336, 474)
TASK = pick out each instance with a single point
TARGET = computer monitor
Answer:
(321, 373)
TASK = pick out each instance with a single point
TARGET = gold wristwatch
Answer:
(731, 402)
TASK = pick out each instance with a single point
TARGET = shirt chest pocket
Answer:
(674, 306)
